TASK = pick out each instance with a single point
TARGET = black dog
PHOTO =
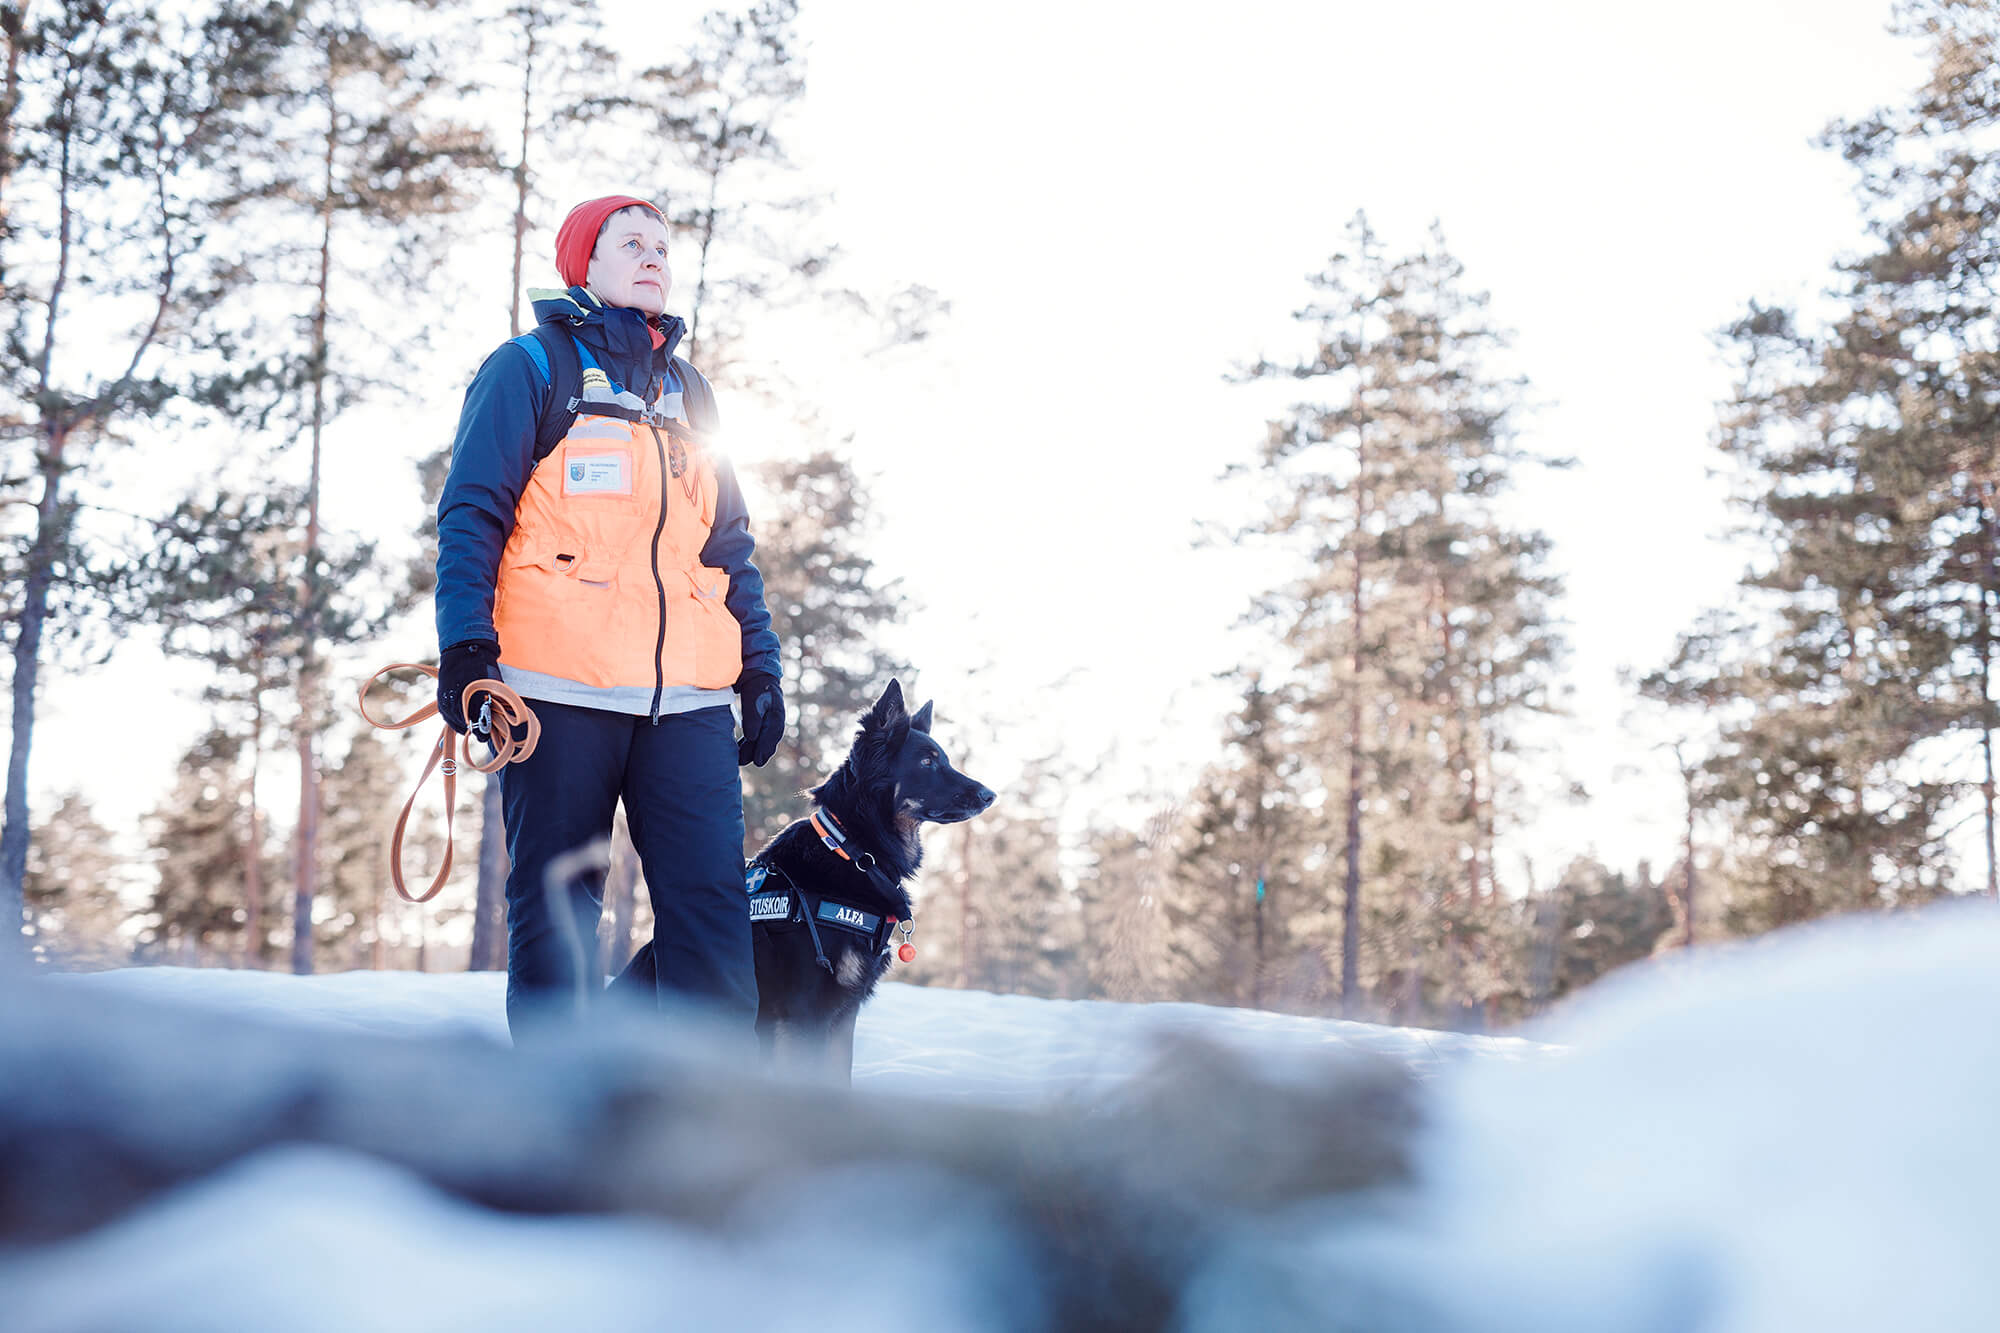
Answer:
(827, 895)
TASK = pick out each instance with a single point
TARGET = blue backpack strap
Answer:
(555, 355)
(537, 353)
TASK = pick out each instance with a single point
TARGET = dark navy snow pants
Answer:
(684, 803)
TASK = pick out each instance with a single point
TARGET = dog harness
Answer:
(792, 906)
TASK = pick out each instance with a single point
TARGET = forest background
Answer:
(1376, 660)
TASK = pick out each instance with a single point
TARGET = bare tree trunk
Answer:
(1257, 963)
(1987, 517)
(489, 905)
(965, 970)
(1547, 925)
(307, 871)
(490, 894)
(253, 846)
(1350, 905)
(1683, 903)
(521, 172)
(13, 18)
(707, 244)
(51, 519)
(1413, 982)
(1986, 794)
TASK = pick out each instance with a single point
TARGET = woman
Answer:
(594, 554)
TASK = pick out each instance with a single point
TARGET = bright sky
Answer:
(1121, 206)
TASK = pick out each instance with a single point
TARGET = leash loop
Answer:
(513, 731)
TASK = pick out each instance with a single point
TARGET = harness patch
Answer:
(770, 906)
(851, 918)
(597, 474)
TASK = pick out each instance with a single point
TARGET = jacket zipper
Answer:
(660, 643)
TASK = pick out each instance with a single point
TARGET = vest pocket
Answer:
(575, 566)
(710, 586)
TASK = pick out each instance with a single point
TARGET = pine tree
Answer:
(73, 888)
(365, 157)
(219, 579)
(1865, 463)
(714, 115)
(1420, 626)
(555, 55)
(360, 916)
(560, 65)
(117, 121)
(200, 838)
(1604, 920)
(1123, 895)
(1029, 931)
(1237, 895)
(829, 608)
(717, 117)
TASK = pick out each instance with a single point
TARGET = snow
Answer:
(1795, 1133)
(1790, 1134)
(953, 1045)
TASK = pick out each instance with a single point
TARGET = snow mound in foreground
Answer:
(1787, 1135)
(1795, 1133)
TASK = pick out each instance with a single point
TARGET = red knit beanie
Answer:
(576, 240)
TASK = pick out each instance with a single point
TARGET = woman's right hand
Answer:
(458, 666)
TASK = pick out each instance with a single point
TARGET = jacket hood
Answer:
(620, 330)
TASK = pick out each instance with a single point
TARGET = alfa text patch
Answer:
(840, 914)
(597, 474)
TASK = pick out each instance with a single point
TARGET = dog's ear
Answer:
(888, 712)
(922, 721)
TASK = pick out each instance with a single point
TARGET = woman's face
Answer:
(629, 266)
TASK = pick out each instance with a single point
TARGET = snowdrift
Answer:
(1784, 1135)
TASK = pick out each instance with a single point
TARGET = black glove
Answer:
(458, 666)
(763, 717)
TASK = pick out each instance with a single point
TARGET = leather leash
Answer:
(514, 730)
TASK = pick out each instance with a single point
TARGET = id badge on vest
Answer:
(590, 471)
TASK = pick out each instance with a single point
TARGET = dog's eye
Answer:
(925, 762)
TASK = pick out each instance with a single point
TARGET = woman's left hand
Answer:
(763, 718)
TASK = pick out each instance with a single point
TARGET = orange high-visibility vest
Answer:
(602, 599)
